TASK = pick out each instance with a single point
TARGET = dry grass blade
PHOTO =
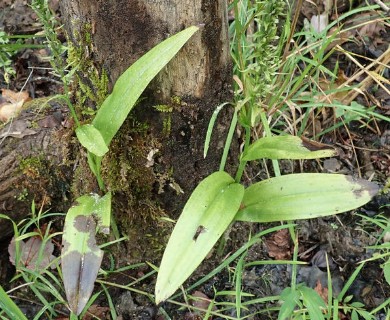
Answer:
(381, 63)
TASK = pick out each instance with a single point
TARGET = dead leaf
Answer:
(80, 263)
(322, 291)
(51, 121)
(97, 312)
(279, 245)
(30, 253)
(13, 103)
(13, 97)
(314, 145)
(372, 29)
(10, 110)
(201, 301)
(17, 129)
(320, 22)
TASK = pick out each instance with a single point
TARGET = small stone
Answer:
(332, 165)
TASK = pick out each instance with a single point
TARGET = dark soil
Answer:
(344, 238)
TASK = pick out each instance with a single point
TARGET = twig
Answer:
(383, 6)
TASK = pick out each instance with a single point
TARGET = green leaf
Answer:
(354, 315)
(9, 307)
(206, 215)
(366, 315)
(133, 82)
(386, 271)
(91, 139)
(290, 298)
(304, 196)
(287, 147)
(81, 257)
(314, 303)
(210, 128)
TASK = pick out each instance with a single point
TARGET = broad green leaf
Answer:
(81, 257)
(206, 215)
(304, 196)
(287, 147)
(133, 82)
(91, 139)
(9, 307)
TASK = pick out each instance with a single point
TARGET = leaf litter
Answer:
(322, 233)
(32, 256)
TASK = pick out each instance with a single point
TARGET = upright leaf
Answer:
(314, 303)
(304, 196)
(210, 128)
(9, 307)
(81, 257)
(386, 271)
(290, 298)
(207, 214)
(287, 147)
(133, 82)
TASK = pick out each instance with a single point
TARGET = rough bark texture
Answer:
(114, 34)
(123, 30)
(33, 165)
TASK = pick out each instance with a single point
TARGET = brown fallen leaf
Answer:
(12, 103)
(322, 291)
(94, 312)
(201, 301)
(279, 245)
(97, 312)
(17, 129)
(13, 97)
(30, 255)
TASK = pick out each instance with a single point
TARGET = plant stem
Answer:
(267, 130)
(69, 103)
(242, 164)
(294, 271)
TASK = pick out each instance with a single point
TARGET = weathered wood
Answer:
(123, 30)
(33, 165)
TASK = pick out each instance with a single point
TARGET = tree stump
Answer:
(156, 160)
(34, 165)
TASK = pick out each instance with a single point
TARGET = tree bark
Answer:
(157, 158)
(33, 165)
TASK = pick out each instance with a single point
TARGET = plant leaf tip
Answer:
(364, 186)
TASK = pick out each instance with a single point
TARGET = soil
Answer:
(343, 239)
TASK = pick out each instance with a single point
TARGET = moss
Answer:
(134, 185)
(91, 85)
(124, 167)
(175, 104)
(31, 167)
(83, 181)
(37, 182)
(23, 195)
(176, 100)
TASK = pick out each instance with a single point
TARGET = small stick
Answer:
(383, 6)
